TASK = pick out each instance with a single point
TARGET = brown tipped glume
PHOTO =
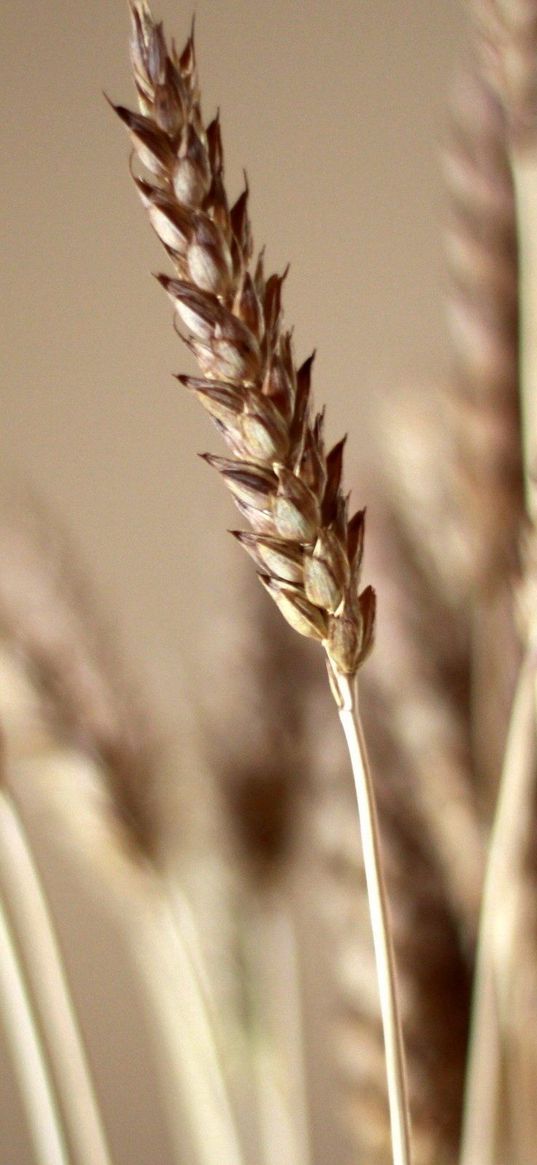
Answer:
(280, 476)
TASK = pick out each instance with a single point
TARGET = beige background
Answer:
(337, 111)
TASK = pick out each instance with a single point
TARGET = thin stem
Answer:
(189, 1064)
(380, 925)
(27, 1055)
(278, 1049)
(524, 169)
(479, 1141)
(40, 955)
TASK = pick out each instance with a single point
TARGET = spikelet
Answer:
(481, 250)
(305, 545)
(507, 38)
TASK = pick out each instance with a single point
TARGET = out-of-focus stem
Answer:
(41, 958)
(27, 1055)
(380, 924)
(278, 1054)
(524, 167)
(479, 1140)
(192, 1082)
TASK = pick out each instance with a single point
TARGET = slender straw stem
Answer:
(524, 169)
(479, 1140)
(378, 908)
(27, 1056)
(40, 955)
(189, 1066)
(278, 1049)
(288, 1023)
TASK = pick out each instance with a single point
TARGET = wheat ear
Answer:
(507, 41)
(481, 252)
(307, 548)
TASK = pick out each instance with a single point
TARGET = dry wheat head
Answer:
(307, 548)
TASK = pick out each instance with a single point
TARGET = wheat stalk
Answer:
(496, 932)
(306, 546)
(426, 912)
(27, 1055)
(28, 1051)
(33, 929)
